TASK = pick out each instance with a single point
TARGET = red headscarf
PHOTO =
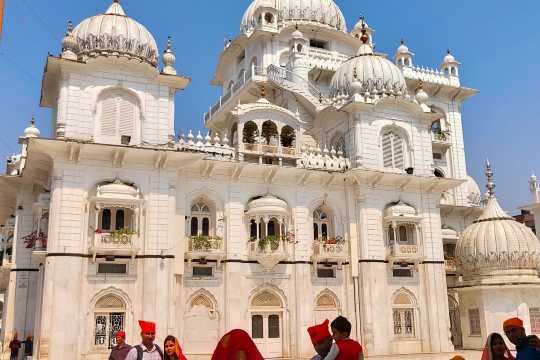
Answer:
(234, 342)
(487, 354)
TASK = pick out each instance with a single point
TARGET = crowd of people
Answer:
(238, 345)
(331, 341)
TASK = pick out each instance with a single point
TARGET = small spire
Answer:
(69, 27)
(490, 183)
(402, 41)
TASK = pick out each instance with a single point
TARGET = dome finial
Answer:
(69, 43)
(169, 59)
(490, 183)
(32, 131)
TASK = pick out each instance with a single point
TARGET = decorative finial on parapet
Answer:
(169, 59)
(490, 183)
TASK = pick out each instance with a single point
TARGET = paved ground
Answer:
(467, 354)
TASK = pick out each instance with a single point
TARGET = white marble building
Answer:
(332, 181)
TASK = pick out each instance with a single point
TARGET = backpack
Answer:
(140, 351)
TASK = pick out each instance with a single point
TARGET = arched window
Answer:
(201, 323)
(120, 219)
(438, 173)
(253, 229)
(326, 306)
(119, 118)
(288, 137)
(403, 235)
(111, 218)
(322, 228)
(270, 133)
(109, 318)
(404, 316)
(200, 219)
(250, 133)
(393, 150)
(106, 219)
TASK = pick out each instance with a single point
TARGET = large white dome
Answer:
(324, 12)
(113, 33)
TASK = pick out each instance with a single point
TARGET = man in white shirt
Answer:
(147, 350)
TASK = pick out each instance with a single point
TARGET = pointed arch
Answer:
(327, 298)
(202, 297)
(405, 314)
(268, 294)
(404, 296)
(201, 322)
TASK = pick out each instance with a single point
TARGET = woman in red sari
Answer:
(172, 349)
(236, 345)
(496, 349)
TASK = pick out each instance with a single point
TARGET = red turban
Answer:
(147, 326)
(319, 332)
(513, 323)
(121, 334)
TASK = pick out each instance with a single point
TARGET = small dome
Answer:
(449, 58)
(113, 33)
(32, 131)
(267, 205)
(368, 74)
(117, 190)
(403, 49)
(496, 241)
(324, 12)
(400, 209)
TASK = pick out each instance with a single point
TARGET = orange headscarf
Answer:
(234, 342)
(488, 355)
(177, 348)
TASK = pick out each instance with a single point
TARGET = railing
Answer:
(285, 78)
(205, 245)
(330, 249)
(428, 75)
(326, 59)
(405, 252)
(265, 247)
(248, 76)
(440, 136)
(115, 240)
(269, 149)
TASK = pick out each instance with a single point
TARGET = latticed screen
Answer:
(392, 151)
(106, 326)
(404, 323)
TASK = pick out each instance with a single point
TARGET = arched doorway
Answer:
(267, 324)
(201, 325)
(455, 323)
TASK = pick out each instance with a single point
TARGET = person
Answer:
(344, 348)
(28, 347)
(321, 339)
(172, 349)
(458, 357)
(147, 350)
(515, 332)
(14, 346)
(121, 350)
(236, 345)
(496, 349)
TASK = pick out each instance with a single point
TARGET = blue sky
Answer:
(497, 42)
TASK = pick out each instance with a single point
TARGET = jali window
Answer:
(109, 318)
(534, 314)
(474, 322)
(403, 315)
(393, 150)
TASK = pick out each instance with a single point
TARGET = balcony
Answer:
(205, 248)
(119, 242)
(269, 150)
(404, 253)
(330, 250)
(450, 265)
(268, 251)
(247, 77)
(441, 139)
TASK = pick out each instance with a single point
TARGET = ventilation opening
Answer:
(437, 156)
(326, 273)
(119, 269)
(202, 271)
(438, 173)
(403, 272)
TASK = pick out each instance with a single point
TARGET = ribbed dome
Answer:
(113, 33)
(496, 241)
(268, 205)
(368, 73)
(324, 12)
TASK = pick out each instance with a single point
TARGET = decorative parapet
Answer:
(323, 159)
(428, 75)
(218, 146)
